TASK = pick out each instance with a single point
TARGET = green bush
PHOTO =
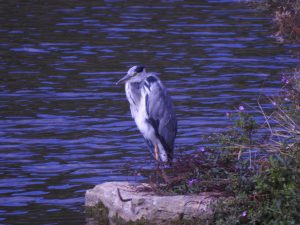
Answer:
(286, 14)
(262, 188)
(271, 195)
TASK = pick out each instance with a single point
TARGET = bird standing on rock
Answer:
(152, 110)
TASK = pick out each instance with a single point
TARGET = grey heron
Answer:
(152, 110)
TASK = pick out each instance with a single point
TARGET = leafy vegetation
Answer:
(259, 175)
(286, 15)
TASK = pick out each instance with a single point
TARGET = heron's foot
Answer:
(156, 152)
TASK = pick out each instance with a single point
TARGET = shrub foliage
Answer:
(259, 175)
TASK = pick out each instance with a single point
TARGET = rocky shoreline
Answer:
(129, 203)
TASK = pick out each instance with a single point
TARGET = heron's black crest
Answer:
(139, 69)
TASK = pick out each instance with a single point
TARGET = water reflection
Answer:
(64, 124)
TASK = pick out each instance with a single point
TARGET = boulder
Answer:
(124, 201)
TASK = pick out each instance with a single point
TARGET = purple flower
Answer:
(285, 79)
(227, 114)
(244, 213)
(274, 103)
(192, 181)
(241, 108)
(202, 149)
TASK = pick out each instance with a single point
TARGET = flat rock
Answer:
(135, 202)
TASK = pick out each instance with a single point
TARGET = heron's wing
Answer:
(161, 114)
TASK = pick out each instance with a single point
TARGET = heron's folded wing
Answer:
(160, 110)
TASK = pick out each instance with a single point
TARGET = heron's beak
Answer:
(124, 79)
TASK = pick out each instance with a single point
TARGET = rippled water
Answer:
(64, 124)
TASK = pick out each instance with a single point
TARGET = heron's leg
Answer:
(156, 152)
(157, 164)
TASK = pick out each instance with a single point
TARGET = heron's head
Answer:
(134, 74)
